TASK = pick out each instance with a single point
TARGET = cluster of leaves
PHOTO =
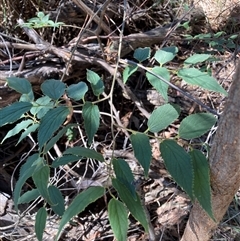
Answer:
(46, 116)
(41, 21)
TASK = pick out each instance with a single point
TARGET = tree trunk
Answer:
(224, 169)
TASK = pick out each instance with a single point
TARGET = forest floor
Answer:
(154, 24)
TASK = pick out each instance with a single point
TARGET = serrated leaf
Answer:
(77, 91)
(124, 175)
(166, 54)
(142, 150)
(53, 88)
(142, 54)
(196, 125)
(84, 152)
(79, 204)
(197, 58)
(13, 112)
(179, 165)
(40, 223)
(19, 127)
(66, 159)
(201, 187)
(128, 71)
(91, 118)
(118, 219)
(96, 82)
(27, 131)
(50, 123)
(21, 85)
(196, 77)
(157, 83)
(162, 117)
(57, 199)
(41, 180)
(29, 196)
(134, 205)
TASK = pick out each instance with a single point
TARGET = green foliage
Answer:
(46, 116)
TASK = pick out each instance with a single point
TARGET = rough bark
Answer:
(224, 166)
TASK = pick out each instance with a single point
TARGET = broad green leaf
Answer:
(134, 205)
(96, 82)
(29, 196)
(13, 112)
(124, 175)
(196, 125)
(166, 54)
(26, 171)
(79, 204)
(118, 219)
(53, 88)
(201, 187)
(19, 127)
(54, 140)
(41, 180)
(50, 123)
(162, 117)
(142, 54)
(41, 106)
(77, 91)
(128, 71)
(196, 77)
(66, 159)
(57, 199)
(84, 152)
(40, 223)
(91, 118)
(157, 83)
(179, 165)
(29, 97)
(27, 131)
(142, 150)
(21, 85)
(197, 58)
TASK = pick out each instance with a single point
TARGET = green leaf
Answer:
(197, 58)
(124, 175)
(27, 131)
(50, 123)
(84, 152)
(19, 127)
(77, 91)
(166, 54)
(26, 171)
(79, 204)
(29, 97)
(134, 205)
(195, 77)
(162, 117)
(53, 88)
(66, 159)
(201, 187)
(91, 117)
(128, 71)
(57, 199)
(40, 223)
(118, 219)
(41, 180)
(178, 164)
(21, 85)
(13, 112)
(142, 150)
(196, 125)
(29, 196)
(157, 83)
(142, 54)
(96, 82)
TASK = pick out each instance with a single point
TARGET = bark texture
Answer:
(224, 166)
